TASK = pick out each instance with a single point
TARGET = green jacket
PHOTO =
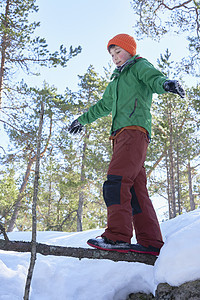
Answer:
(128, 96)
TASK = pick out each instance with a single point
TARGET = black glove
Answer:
(75, 127)
(174, 86)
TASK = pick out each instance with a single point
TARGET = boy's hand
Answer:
(174, 86)
(75, 127)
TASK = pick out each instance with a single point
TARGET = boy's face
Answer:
(119, 55)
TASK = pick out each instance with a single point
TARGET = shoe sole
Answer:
(123, 250)
(145, 252)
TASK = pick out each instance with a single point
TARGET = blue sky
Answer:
(91, 24)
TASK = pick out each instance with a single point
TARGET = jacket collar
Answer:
(118, 70)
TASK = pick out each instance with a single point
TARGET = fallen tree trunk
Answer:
(79, 253)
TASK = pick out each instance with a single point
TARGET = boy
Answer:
(128, 96)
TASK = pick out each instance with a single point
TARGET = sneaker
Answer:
(146, 250)
(105, 244)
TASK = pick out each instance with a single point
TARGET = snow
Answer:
(58, 278)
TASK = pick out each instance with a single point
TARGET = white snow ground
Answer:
(63, 278)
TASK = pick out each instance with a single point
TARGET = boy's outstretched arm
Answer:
(174, 86)
(102, 108)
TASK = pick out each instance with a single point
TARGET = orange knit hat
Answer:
(124, 41)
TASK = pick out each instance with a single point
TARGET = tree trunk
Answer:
(20, 195)
(171, 161)
(178, 179)
(49, 204)
(34, 217)
(3, 51)
(80, 210)
(79, 253)
(168, 189)
(58, 213)
(172, 183)
(81, 193)
(191, 196)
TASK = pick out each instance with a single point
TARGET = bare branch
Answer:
(174, 7)
(156, 163)
(19, 130)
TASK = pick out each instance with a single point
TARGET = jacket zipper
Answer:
(135, 105)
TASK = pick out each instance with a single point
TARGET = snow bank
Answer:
(58, 278)
(179, 260)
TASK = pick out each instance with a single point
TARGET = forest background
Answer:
(39, 65)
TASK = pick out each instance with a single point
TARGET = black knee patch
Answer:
(111, 190)
(136, 209)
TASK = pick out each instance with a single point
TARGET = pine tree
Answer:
(173, 146)
(20, 49)
(24, 139)
(180, 18)
(8, 193)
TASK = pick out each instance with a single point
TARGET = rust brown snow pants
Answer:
(125, 192)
